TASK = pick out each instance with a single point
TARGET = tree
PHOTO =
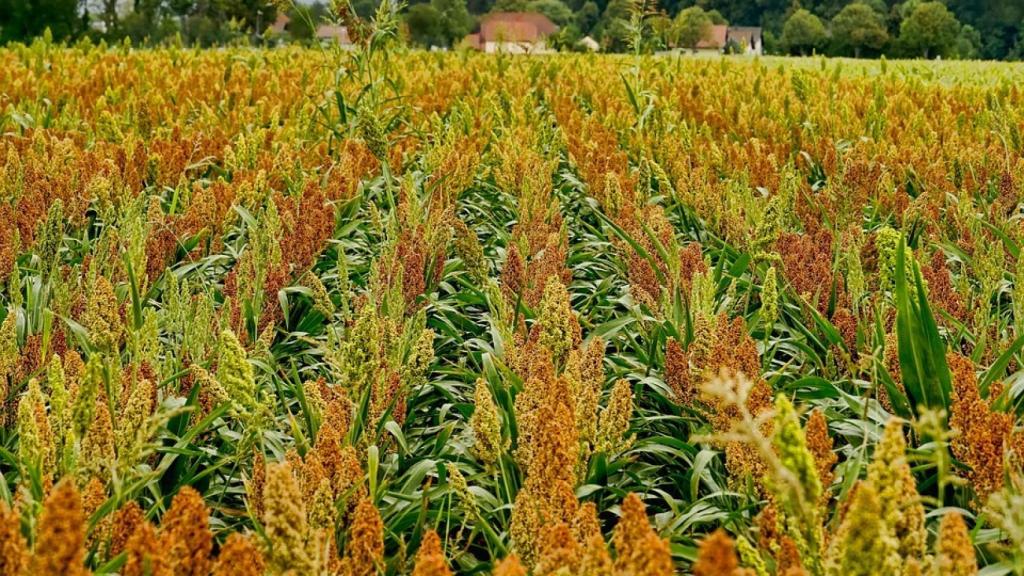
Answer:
(661, 30)
(588, 16)
(803, 32)
(509, 6)
(455, 20)
(858, 26)
(555, 10)
(22, 20)
(968, 43)
(150, 21)
(613, 28)
(716, 18)
(691, 26)
(424, 22)
(365, 9)
(930, 29)
(302, 23)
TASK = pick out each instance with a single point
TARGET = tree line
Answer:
(990, 29)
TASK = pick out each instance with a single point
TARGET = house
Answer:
(332, 32)
(281, 24)
(747, 39)
(714, 41)
(513, 33)
(589, 44)
(324, 32)
(732, 39)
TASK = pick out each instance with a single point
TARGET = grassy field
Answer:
(388, 312)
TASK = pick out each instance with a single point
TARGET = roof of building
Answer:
(333, 32)
(515, 27)
(589, 43)
(716, 38)
(473, 41)
(281, 24)
(743, 34)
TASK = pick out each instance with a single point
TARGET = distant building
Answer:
(733, 39)
(748, 39)
(589, 44)
(513, 33)
(281, 24)
(714, 41)
(338, 34)
(324, 32)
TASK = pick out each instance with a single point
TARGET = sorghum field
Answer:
(305, 311)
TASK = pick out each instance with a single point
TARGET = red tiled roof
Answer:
(328, 31)
(515, 27)
(281, 24)
(716, 39)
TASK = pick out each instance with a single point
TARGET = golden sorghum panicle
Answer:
(548, 454)
(677, 373)
(8, 351)
(982, 433)
(468, 248)
(513, 274)
(236, 375)
(185, 534)
(322, 525)
(954, 553)
(60, 540)
(98, 452)
(311, 472)
(127, 520)
(547, 428)
(890, 476)
(364, 551)
(35, 439)
(239, 557)
(430, 559)
(488, 444)
(594, 558)
(716, 556)
(135, 427)
(60, 415)
(887, 242)
(751, 557)
(639, 550)
(458, 483)
(284, 520)
(864, 543)
(416, 366)
(820, 445)
(145, 554)
(584, 371)
(255, 486)
(321, 298)
(559, 330)
(102, 317)
(613, 423)
(348, 476)
(798, 504)
(509, 567)
(586, 523)
(770, 299)
(13, 549)
(84, 406)
(94, 495)
(559, 551)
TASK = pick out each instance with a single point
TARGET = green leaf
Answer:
(922, 352)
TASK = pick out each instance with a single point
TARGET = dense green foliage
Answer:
(992, 29)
